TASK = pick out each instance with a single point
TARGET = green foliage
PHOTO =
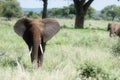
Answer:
(59, 12)
(72, 9)
(32, 14)
(1, 6)
(7, 62)
(70, 55)
(11, 8)
(91, 14)
(93, 70)
(110, 12)
(116, 48)
(67, 12)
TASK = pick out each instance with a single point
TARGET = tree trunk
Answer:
(79, 21)
(113, 18)
(81, 7)
(44, 13)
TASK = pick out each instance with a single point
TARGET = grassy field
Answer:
(73, 54)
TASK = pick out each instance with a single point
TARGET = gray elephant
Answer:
(36, 32)
(114, 29)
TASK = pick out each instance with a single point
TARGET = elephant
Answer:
(36, 32)
(114, 29)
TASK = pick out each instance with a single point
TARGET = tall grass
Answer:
(70, 55)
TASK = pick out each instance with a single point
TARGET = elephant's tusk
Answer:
(30, 50)
(41, 48)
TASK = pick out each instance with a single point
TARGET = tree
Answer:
(71, 9)
(81, 7)
(118, 12)
(1, 6)
(59, 12)
(91, 14)
(110, 12)
(12, 9)
(44, 12)
(69, 12)
(32, 14)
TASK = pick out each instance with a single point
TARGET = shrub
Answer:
(12, 9)
(116, 48)
(91, 70)
(7, 62)
(32, 14)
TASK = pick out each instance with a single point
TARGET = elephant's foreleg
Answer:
(41, 53)
(110, 33)
(34, 55)
(34, 61)
(40, 59)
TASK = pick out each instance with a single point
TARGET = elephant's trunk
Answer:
(36, 41)
(34, 54)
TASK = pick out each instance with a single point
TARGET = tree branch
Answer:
(78, 5)
(87, 4)
(82, 2)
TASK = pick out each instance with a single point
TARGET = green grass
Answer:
(72, 54)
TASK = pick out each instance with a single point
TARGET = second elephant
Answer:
(114, 29)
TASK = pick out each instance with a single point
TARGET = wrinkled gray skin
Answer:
(36, 32)
(114, 29)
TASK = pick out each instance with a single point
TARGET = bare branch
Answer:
(87, 4)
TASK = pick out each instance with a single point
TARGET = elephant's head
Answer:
(108, 28)
(36, 32)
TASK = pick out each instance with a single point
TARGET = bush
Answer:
(116, 48)
(7, 62)
(32, 14)
(12, 9)
(91, 70)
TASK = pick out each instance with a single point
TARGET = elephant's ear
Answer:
(21, 25)
(50, 28)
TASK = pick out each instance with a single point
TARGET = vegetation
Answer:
(32, 14)
(71, 55)
(116, 49)
(10, 8)
(69, 12)
(84, 54)
(81, 7)
(111, 12)
(65, 12)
